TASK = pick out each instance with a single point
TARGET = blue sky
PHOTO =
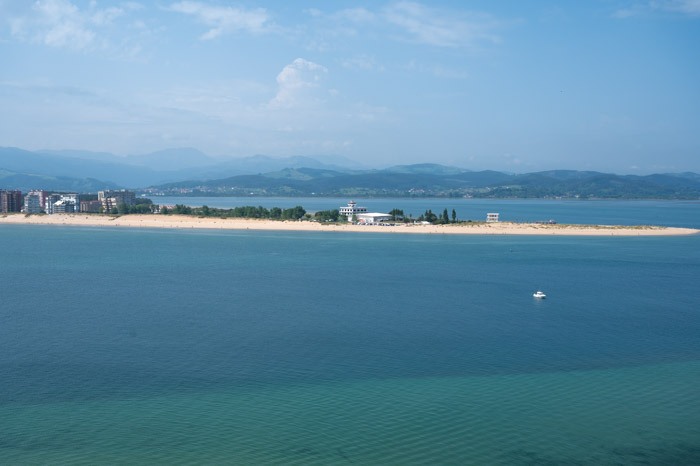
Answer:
(610, 85)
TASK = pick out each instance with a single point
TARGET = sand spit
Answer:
(182, 221)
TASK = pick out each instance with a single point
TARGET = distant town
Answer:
(43, 202)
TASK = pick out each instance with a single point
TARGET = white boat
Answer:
(539, 295)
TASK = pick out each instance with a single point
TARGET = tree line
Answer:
(275, 213)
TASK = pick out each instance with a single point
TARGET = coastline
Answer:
(190, 222)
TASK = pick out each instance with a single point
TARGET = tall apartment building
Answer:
(10, 201)
(51, 200)
(32, 203)
(74, 199)
(32, 198)
(112, 198)
(64, 206)
(90, 206)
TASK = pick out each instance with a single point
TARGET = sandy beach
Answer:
(181, 221)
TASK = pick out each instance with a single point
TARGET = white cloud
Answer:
(684, 7)
(406, 21)
(60, 23)
(689, 7)
(441, 28)
(224, 19)
(295, 81)
(356, 15)
(361, 62)
(438, 71)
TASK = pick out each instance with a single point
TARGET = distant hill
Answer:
(436, 180)
(137, 171)
(27, 182)
(425, 169)
(173, 171)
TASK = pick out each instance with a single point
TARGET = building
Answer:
(74, 199)
(64, 206)
(10, 201)
(32, 203)
(361, 214)
(62, 203)
(491, 218)
(352, 209)
(90, 206)
(112, 198)
(51, 199)
(373, 217)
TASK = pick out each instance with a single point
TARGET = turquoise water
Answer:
(127, 346)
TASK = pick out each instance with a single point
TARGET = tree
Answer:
(396, 214)
(164, 211)
(429, 217)
(445, 217)
(327, 215)
(454, 215)
(205, 210)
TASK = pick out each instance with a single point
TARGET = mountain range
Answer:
(138, 171)
(189, 171)
(440, 181)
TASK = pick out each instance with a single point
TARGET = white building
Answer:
(64, 206)
(62, 203)
(490, 218)
(373, 217)
(51, 200)
(32, 203)
(361, 214)
(73, 199)
(352, 209)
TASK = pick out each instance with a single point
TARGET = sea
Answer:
(157, 346)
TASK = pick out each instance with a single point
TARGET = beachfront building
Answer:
(10, 201)
(51, 199)
(73, 199)
(352, 209)
(361, 214)
(491, 218)
(64, 206)
(62, 203)
(373, 217)
(111, 199)
(32, 203)
(90, 206)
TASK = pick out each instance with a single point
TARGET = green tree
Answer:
(445, 217)
(454, 215)
(429, 216)
(205, 211)
(396, 214)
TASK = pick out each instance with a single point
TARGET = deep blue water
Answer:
(126, 346)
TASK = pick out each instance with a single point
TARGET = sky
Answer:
(519, 86)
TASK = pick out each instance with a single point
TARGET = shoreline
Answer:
(191, 222)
